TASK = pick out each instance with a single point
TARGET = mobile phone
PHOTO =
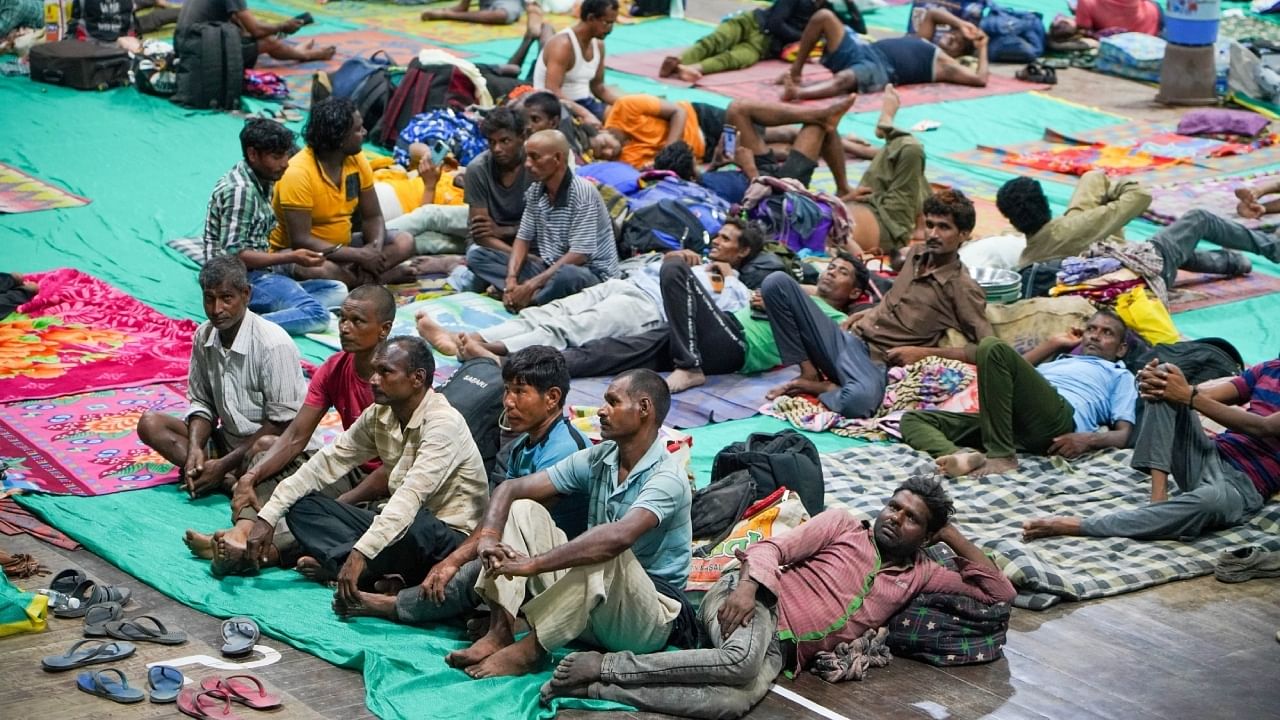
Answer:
(305, 17)
(730, 136)
(439, 150)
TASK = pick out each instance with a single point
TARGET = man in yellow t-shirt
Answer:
(323, 187)
(638, 126)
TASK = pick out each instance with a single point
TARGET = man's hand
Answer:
(244, 495)
(291, 26)
(757, 300)
(848, 323)
(860, 194)
(260, 536)
(428, 171)
(688, 257)
(349, 578)
(437, 580)
(1071, 445)
(1068, 339)
(193, 468)
(980, 45)
(519, 296)
(738, 608)
(1165, 382)
(370, 259)
(305, 257)
(208, 478)
(482, 226)
(515, 565)
(907, 355)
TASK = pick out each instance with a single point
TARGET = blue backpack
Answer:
(1016, 36)
(710, 209)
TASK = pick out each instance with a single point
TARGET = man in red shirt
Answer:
(759, 615)
(341, 383)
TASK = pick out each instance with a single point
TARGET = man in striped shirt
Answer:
(1223, 479)
(565, 219)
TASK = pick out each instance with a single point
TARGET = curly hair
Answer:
(329, 123)
(933, 492)
(265, 136)
(597, 8)
(955, 205)
(678, 158)
(861, 275)
(1022, 201)
(503, 118)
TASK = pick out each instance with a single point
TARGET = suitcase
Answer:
(80, 65)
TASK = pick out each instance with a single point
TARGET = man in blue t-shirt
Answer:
(536, 383)
(618, 584)
(1056, 408)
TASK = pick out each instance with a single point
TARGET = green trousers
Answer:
(1018, 410)
(736, 43)
(899, 188)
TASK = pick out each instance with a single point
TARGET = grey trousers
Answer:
(613, 308)
(725, 681)
(460, 598)
(1177, 244)
(803, 332)
(1213, 493)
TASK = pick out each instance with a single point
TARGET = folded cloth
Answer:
(1077, 269)
(852, 660)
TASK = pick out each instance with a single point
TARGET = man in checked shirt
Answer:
(841, 579)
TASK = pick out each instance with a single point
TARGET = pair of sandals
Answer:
(1038, 72)
(214, 698)
(106, 620)
(71, 594)
(163, 681)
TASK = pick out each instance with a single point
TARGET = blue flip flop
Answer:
(96, 652)
(165, 682)
(103, 685)
(239, 635)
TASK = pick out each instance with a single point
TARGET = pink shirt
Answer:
(831, 587)
(337, 385)
(1141, 16)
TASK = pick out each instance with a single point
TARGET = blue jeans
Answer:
(491, 266)
(298, 307)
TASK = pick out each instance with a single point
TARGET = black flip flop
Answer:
(97, 617)
(97, 652)
(137, 631)
(239, 635)
(66, 581)
(89, 593)
(1037, 73)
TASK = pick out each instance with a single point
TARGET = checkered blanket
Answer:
(990, 511)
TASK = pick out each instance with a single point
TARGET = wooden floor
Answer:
(1195, 649)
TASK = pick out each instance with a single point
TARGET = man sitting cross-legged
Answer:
(858, 65)
(932, 294)
(437, 484)
(1223, 479)
(256, 37)
(1053, 407)
(239, 219)
(341, 383)
(245, 383)
(536, 383)
(805, 591)
(327, 184)
(616, 585)
(565, 219)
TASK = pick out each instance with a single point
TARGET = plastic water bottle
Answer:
(677, 9)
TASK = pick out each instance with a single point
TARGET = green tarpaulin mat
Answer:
(404, 672)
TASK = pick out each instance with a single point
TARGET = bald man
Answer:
(565, 218)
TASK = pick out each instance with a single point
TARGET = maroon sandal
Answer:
(235, 689)
(205, 705)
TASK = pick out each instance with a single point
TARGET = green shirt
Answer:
(762, 351)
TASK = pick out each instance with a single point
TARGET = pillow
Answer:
(618, 175)
(1219, 120)
(944, 629)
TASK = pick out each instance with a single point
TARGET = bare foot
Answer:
(443, 341)
(310, 569)
(323, 53)
(888, 110)
(960, 464)
(689, 73)
(493, 641)
(836, 111)
(778, 391)
(519, 658)
(1050, 527)
(996, 466)
(199, 544)
(471, 346)
(229, 548)
(533, 20)
(681, 379)
(790, 88)
(580, 668)
(668, 67)
(435, 264)
(370, 605)
(405, 272)
(434, 14)
(1249, 207)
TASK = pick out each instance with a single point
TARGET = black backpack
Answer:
(475, 391)
(367, 82)
(663, 226)
(782, 459)
(423, 87)
(719, 506)
(210, 67)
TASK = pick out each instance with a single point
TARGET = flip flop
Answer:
(99, 652)
(97, 617)
(66, 581)
(1037, 73)
(253, 695)
(239, 635)
(135, 630)
(205, 706)
(95, 683)
(165, 681)
(89, 593)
